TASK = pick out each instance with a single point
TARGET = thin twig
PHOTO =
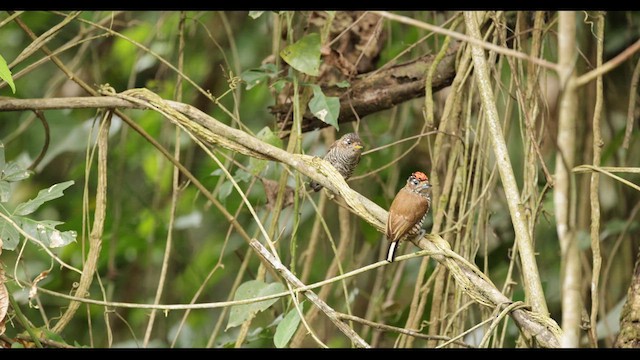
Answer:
(633, 93)
(97, 229)
(416, 334)
(583, 168)
(609, 65)
(471, 40)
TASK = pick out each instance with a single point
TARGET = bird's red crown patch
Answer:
(420, 176)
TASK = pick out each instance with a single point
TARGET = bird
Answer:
(408, 211)
(344, 155)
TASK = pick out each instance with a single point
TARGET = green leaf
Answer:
(259, 75)
(5, 191)
(225, 190)
(5, 74)
(249, 290)
(255, 14)
(9, 235)
(324, 107)
(343, 84)
(46, 232)
(13, 172)
(286, 328)
(304, 55)
(279, 85)
(242, 176)
(253, 77)
(53, 192)
(257, 165)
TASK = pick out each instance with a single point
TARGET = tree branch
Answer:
(377, 91)
(564, 194)
(292, 279)
(532, 284)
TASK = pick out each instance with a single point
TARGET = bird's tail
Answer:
(391, 253)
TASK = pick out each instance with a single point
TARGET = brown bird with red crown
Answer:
(407, 211)
(344, 155)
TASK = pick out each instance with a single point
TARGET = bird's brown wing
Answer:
(409, 208)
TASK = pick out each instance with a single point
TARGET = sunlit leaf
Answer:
(304, 55)
(325, 108)
(5, 74)
(248, 290)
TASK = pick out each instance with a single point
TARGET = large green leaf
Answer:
(325, 108)
(304, 55)
(46, 232)
(286, 328)
(249, 290)
(53, 192)
(5, 74)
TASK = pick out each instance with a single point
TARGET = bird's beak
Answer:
(358, 147)
(426, 186)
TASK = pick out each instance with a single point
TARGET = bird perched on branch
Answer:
(344, 155)
(407, 211)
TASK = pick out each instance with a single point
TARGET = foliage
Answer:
(42, 230)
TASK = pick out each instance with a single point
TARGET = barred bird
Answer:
(344, 155)
(408, 211)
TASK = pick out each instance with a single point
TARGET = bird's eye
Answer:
(348, 142)
(415, 181)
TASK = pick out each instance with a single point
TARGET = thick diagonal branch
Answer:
(379, 91)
